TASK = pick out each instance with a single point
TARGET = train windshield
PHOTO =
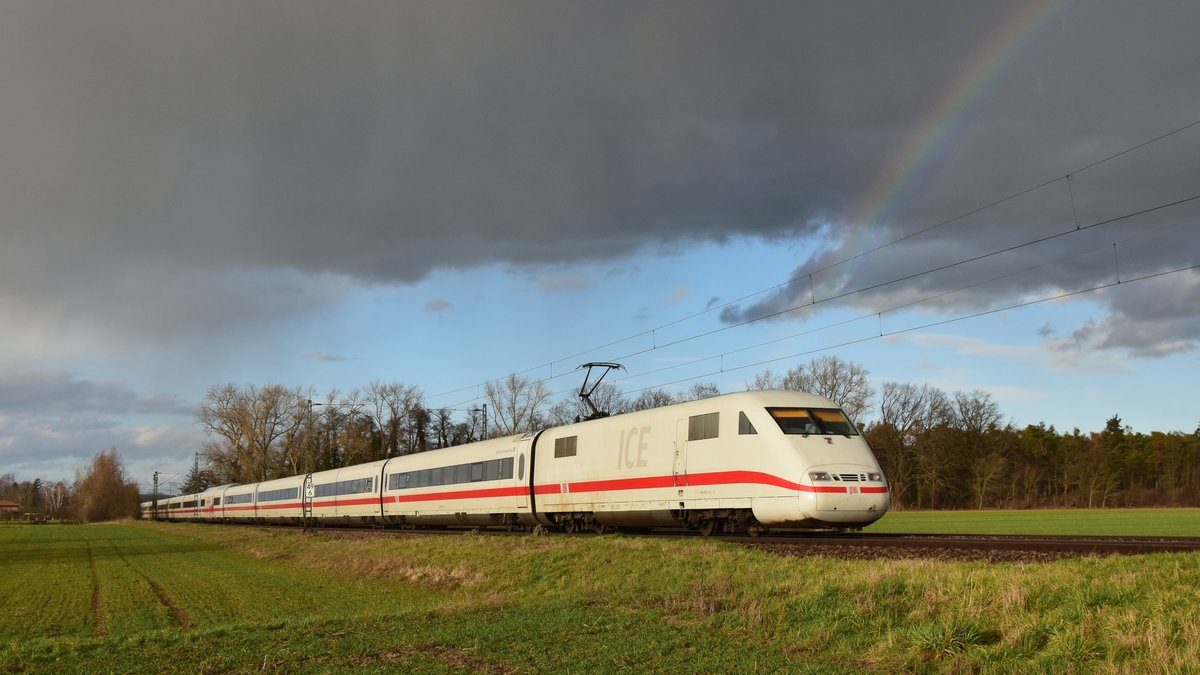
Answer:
(805, 421)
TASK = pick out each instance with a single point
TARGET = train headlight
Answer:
(874, 477)
(819, 475)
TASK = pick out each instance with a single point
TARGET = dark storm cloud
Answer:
(219, 142)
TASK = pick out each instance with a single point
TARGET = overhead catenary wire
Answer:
(880, 312)
(809, 273)
(931, 324)
(770, 315)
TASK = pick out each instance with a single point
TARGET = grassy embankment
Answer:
(194, 598)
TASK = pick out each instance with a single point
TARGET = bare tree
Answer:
(843, 382)
(54, 498)
(516, 404)
(906, 411)
(105, 491)
(606, 397)
(652, 398)
(699, 390)
(258, 428)
(975, 412)
(987, 471)
(765, 379)
(394, 407)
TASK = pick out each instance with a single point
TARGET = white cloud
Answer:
(1047, 355)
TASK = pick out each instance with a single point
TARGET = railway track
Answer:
(994, 548)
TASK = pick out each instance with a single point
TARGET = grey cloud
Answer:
(58, 393)
(158, 156)
(437, 306)
(322, 356)
(1077, 261)
(52, 423)
(1151, 320)
(53, 449)
(563, 282)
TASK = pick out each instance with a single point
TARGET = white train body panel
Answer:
(237, 504)
(483, 483)
(349, 495)
(279, 500)
(767, 458)
(660, 460)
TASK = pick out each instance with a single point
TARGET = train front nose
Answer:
(847, 494)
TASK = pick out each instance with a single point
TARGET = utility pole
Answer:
(154, 499)
(484, 411)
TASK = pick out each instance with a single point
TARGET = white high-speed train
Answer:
(740, 462)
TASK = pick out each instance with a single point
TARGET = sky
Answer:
(439, 194)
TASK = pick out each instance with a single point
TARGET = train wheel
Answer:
(568, 525)
(708, 526)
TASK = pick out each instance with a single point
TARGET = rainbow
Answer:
(931, 135)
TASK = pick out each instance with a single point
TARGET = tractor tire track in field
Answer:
(181, 617)
(99, 616)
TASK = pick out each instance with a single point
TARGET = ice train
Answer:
(743, 462)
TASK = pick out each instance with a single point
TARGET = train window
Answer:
(462, 473)
(745, 428)
(834, 421)
(794, 420)
(701, 427)
(506, 468)
(521, 468)
(277, 495)
(565, 447)
(216, 501)
(491, 470)
(397, 481)
(477, 471)
(828, 421)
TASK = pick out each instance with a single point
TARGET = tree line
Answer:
(939, 450)
(101, 491)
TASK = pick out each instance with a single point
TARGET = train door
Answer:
(523, 469)
(519, 480)
(679, 470)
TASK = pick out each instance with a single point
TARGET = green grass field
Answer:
(150, 597)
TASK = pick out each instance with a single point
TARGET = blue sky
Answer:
(441, 195)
